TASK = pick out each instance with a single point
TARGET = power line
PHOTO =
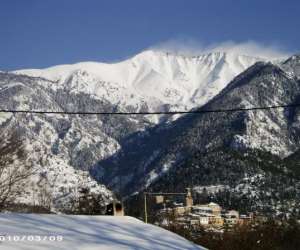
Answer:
(200, 111)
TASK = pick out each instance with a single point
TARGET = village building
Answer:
(233, 214)
(115, 208)
(204, 220)
(209, 215)
(246, 219)
(217, 221)
(216, 209)
(232, 217)
(202, 209)
(180, 210)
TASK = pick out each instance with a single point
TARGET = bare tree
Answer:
(44, 193)
(14, 172)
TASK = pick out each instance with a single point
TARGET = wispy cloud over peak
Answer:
(192, 47)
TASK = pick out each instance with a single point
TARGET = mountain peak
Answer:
(157, 78)
(293, 59)
(292, 65)
(255, 70)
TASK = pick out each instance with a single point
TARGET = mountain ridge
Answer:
(199, 143)
(159, 80)
(131, 153)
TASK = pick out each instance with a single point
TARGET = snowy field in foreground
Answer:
(36, 232)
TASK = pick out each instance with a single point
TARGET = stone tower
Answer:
(189, 198)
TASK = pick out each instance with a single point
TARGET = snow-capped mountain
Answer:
(151, 80)
(275, 130)
(245, 151)
(65, 150)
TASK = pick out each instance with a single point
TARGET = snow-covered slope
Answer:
(32, 231)
(159, 79)
(243, 150)
(65, 148)
(275, 131)
(60, 148)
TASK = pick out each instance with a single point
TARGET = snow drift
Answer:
(85, 232)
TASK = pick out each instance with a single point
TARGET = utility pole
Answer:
(145, 206)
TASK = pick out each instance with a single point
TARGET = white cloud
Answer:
(192, 47)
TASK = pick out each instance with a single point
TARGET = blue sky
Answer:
(38, 33)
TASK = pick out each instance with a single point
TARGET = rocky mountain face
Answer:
(60, 148)
(151, 80)
(240, 152)
(251, 155)
(64, 148)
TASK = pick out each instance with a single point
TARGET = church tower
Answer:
(189, 198)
